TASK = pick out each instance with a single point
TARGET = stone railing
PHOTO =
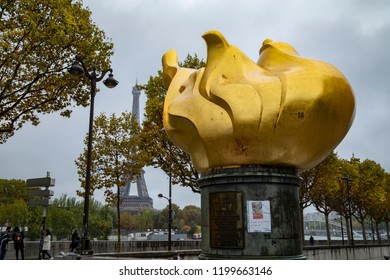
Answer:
(31, 248)
(190, 249)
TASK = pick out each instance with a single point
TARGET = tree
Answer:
(351, 188)
(370, 198)
(64, 215)
(35, 223)
(346, 193)
(129, 221)
(145, 219)
(176, 216)
(386, 187)
(39, 40)
(11, 190)
(114, 157)
(158, 150)
(15, 213)
(304, 194)
(101, 220)
(369, 191)
(192, 218)
(13, 202)
(325, 182)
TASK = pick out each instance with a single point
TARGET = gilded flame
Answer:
(283, 110)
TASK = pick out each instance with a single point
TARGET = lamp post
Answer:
(342, 230)
(347, 180)
(79, 68)
(169, 216)
(169, 198)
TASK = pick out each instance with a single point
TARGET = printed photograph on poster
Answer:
(259, 216)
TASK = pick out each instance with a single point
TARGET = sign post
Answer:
(43, 199)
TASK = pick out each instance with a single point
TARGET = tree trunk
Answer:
(372, 232)
(349, 230)
(377, 232)
(118, 204)
(327, 228)
(364, 230)
(302, 225)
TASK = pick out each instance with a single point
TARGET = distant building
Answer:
(134, 204)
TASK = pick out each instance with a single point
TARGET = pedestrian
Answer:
(75, 240)
(311, 240)
(4, 239)
(46, 245)
(18, 239)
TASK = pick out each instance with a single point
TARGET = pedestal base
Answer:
(251, 213)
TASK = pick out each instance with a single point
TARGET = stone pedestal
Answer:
(251, 213)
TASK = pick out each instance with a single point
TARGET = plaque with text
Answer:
(226, 222)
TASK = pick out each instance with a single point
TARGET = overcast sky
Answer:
(352, 35)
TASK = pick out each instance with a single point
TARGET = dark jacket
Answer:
(4, 240)
(17, 238)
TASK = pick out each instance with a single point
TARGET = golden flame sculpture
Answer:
(284, 110)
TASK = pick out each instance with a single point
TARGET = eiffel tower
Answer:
(134, 204)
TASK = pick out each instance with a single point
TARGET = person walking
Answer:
(4, 239)
(18, 239)
(311, 240)
(46, 245)
(75, 240)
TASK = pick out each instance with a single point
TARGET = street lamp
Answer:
(347, 180)
(342, 230)
(79, 68)
(169, 198)
(169, 214)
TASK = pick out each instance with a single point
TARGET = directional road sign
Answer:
(40, 202)
(40, 182)
(41, 193)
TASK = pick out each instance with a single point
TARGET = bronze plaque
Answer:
(226, 222)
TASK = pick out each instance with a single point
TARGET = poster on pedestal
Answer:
(259, 216)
